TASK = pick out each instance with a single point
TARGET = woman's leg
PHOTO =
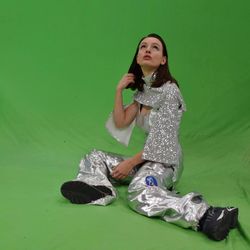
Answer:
(149, 195)
(92, 184)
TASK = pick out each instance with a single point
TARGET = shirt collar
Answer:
(149, 79)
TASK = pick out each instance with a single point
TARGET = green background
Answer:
(60, 63)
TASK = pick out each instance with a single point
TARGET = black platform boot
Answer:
(79, 192)
(217, 222)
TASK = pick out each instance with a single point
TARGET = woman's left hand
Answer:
(122, 170)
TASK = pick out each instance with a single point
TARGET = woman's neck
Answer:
(148, 71)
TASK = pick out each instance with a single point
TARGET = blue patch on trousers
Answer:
(151, 181)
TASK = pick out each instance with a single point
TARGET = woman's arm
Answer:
(124, 117)
(123, 169)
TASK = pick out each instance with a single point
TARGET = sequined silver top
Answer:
(161, 124)
(162, 143)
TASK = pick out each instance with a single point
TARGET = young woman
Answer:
(152, 172)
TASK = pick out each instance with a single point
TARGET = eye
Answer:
(142, 46)
(156, 47)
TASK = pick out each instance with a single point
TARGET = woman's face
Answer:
(150, 55)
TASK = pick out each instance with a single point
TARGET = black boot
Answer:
(79, 192)
(217, 222)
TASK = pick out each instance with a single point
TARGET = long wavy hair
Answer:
(162, 74)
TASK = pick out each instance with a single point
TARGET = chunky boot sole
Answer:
(79, 192)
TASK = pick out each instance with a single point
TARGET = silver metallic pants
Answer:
(149, 189)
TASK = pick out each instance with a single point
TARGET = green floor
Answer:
(60, 63)
(35, 216)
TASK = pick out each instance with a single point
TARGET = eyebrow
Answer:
(152, 43)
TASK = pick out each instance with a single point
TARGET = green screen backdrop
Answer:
(60, 63)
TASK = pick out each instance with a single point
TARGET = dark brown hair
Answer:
(162, 73)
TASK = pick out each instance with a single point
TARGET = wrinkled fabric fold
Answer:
(154, 199)
(149, 188)
(122, 135)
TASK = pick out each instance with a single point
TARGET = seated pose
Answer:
(151, 173)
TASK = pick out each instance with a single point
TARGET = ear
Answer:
(164, 60)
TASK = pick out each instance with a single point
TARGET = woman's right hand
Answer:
(125, 81)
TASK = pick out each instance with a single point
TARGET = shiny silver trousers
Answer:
(149, 189)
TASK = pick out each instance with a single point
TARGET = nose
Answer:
(148, 50)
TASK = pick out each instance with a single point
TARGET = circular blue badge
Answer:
(151, 181)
